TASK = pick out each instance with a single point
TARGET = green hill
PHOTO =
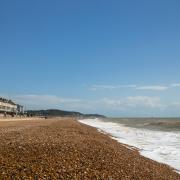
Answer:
(61, 113)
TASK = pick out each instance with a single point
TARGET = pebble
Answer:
(68, 150)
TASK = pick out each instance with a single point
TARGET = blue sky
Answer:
(119, 58)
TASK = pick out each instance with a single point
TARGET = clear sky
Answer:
(118, 57)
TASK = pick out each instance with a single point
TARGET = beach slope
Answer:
(66, 149)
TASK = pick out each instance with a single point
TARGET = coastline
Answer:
(67, 149)
(148, 142)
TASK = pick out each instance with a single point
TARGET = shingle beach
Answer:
(63, 148)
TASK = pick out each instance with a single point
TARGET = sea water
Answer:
(157, 139)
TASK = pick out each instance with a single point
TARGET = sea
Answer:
(155, 138)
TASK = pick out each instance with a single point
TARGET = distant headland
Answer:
(61, 113)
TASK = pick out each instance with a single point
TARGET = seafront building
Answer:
(9, 107)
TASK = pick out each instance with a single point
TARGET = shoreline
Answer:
(133, 137)
(67, 149)
(131, 147)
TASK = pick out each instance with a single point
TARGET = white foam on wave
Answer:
(160, 146)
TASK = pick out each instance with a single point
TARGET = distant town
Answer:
(10, 108)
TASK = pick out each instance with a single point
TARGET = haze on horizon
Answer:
(118, 58)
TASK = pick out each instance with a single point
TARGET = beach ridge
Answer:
(63, 148)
